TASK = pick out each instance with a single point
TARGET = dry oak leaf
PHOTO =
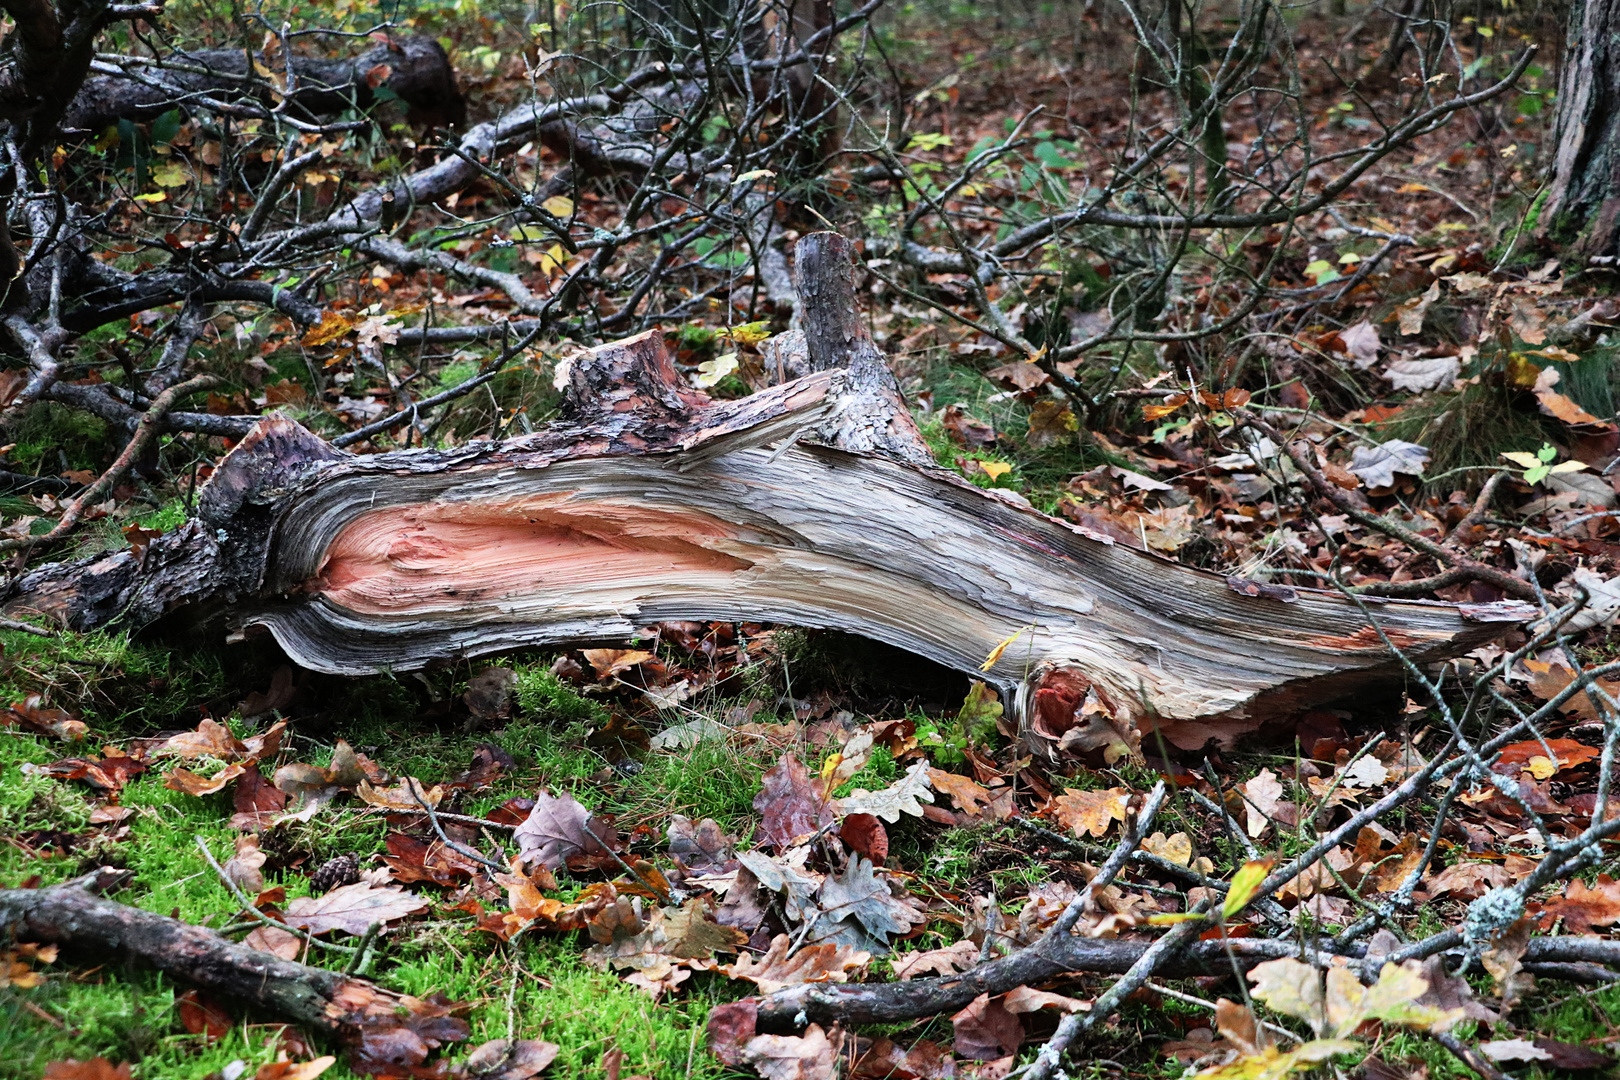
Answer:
(213, 739)
(887, 1060)
(693, 934)
(776, 969)
(1584, 908)
(791, 804)
(703, 847)
(560, 826)
(986, 1031)
(311, 787)
(731, 1025)
(866, 835)
(1024, 999)
(1532, 756)
(904, 796)
(609, 662)
(32, 714)
(947, 961)
(812, 1056)
(1178, 848)
(352, 908)
(858, 894)
(1468, 880)
(1090, 811)
(275, 941)
(969, 795)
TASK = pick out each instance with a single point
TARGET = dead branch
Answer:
(75, 918)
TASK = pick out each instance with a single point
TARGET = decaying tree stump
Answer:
(811, 503)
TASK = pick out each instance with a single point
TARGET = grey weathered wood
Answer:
(649, 502)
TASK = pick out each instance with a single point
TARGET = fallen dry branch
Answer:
(808, 504)
(82, 922)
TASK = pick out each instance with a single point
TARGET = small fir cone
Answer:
(343, 870)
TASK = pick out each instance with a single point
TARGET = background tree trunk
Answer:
(1584, 198)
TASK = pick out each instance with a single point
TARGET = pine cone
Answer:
(343, 870)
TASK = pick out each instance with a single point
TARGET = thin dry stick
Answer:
(150, 424)
(260, 917)
(1460, 567)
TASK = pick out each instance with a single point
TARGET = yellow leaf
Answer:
(1173, 918)
(1177, 848)
(333, 325)
(1540, 767)
(1521, 372)
(559, 206)
(171, 175)
(995, 653)
(1245, 883)
(995, 470)
(1522, 458)
(754, 174)
(152, 197)
(712, 371)
(553, 260)
(1568, 466)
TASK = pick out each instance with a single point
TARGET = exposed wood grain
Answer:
(804, 504)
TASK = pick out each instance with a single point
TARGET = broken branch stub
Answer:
(806, 504)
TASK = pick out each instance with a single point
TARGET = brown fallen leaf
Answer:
(1262, 802)
(791, 803)
(213, 739)
(352, 908)
(202, 1015)
(730, 1028)
(969, 795)
(610, 662)
(949, 960)
(701, 848)
(775, 969)
(1090, 811)
(560, 826)
(509, 1059)
(294, 1070)
(811, 1056)
(414, 860)
(1469, 880)
(97, 1068)
(1584, 908)
(245, 865)
(986, 1031)
(866, 835)
(923, 1060)
(255, 800)
(32, 714)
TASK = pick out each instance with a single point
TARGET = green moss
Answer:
(113, 683)
(48, 435)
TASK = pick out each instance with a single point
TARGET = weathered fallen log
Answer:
(415, 70)
(811, 504)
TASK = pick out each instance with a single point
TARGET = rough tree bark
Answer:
(812, 503)
(1583, 201)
